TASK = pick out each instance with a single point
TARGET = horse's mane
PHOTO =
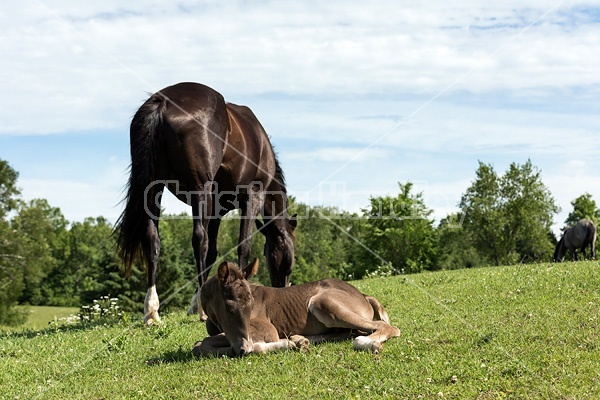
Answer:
(279, 174)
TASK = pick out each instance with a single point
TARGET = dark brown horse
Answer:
(580, 236)
(216, 157)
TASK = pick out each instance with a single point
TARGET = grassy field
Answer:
(40, 316)
(529, 331)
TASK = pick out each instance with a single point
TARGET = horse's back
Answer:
(249, 156)
(195, 126)
(580, 235)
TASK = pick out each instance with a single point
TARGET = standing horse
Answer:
(216, 157)
(580, 236)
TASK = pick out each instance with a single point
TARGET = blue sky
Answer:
(356, 96)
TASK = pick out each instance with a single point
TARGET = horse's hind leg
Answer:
(151, 247)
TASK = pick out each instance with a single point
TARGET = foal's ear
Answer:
(223, 273)
(251, 269)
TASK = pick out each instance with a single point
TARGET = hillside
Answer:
(490, 333)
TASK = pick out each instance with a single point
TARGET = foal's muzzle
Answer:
(244, 347)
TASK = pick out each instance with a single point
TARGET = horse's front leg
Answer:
(211, 256)
(249, 211)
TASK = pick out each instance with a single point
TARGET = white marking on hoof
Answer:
(151, 305)
(367, 344)
(362, 343)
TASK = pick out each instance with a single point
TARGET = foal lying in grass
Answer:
(259, 319)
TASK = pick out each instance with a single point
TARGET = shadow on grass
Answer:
(181, 355)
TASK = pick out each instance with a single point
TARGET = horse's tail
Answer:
(557, 249)
(380, 313)
(145, 129)
(591, 239)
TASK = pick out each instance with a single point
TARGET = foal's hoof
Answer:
(300, 342)
(376, 347)
(366, 344)
(196, 349)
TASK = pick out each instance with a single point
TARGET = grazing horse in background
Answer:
(259, 319)
(216, 157)
(580, 236)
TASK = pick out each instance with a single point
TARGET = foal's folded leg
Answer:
(281, 344)
(217, 345)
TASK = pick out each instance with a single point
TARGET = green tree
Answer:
(9, 192)
(455, 244)
(484, 218)
(399, 230)
(508, 218)
(12, 263)
(320, 243)
(529, 208)
(583, 207)
(44, 243)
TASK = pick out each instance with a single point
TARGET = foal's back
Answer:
(288, 309)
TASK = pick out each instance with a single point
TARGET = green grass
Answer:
(41, 316)
(529, 331)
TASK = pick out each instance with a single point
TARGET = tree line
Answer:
(503, 219)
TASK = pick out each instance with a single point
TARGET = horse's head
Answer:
(227, 300)
(279, 248)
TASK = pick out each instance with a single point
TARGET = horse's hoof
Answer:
(155, 320)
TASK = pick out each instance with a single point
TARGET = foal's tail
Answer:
(380, 313)
(144, 134)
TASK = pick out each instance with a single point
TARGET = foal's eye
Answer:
(230, 306)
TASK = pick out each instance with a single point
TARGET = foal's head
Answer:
(227, 300)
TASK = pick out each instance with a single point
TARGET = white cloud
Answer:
(85, 66)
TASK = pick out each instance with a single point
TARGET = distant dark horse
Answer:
(580, 236)
(215, 157)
